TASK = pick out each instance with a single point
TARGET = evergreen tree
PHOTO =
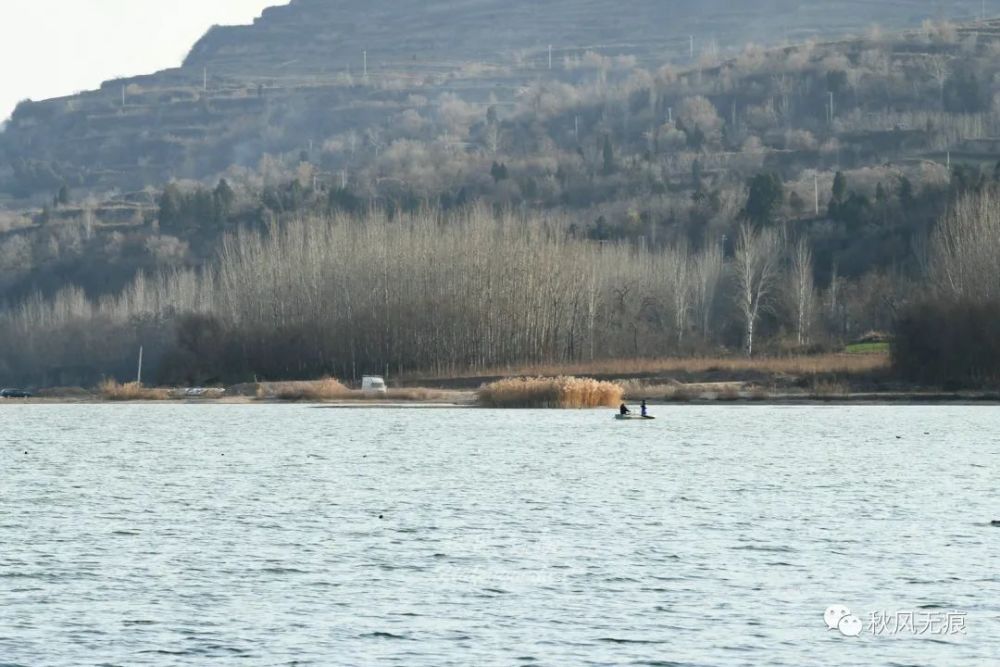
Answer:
(796, 203)
(906, 194)
(171, 206)
(224, 198)
(767, 192)
(499, 172)
(881, 196)
(839, 188)
(609, 156)
(696, 174)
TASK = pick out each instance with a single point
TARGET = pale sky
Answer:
(50, 48)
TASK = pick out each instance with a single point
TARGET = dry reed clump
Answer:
(112, 390)
(318, 390)
(557, 392)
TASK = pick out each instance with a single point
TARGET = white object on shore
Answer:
(373, 384)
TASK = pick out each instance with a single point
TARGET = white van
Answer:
(373, 384)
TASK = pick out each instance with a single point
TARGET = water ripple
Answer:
(270, 535)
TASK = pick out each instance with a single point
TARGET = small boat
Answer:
(631, 417)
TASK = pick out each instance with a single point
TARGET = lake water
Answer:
(270, 535)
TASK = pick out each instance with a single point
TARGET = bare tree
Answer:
(707, 267)
(679, 283)
(756, 266)
(802, 289)
(965, 248)
(939, 70)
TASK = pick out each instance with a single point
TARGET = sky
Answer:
(50, 48)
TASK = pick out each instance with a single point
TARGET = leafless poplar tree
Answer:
(756, 268)
(707, 267)
(801, 289)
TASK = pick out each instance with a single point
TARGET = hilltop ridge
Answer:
(297, 77)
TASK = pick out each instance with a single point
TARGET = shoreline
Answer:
(788, 400)
(831, 379)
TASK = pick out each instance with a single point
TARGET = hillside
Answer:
(495, 213)
(296, 79)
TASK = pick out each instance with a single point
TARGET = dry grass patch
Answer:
(112, 390)
(317, 390)
(556, 392)
(729, 394)
(415, 394)
(822, 364)
(636, 390)
(64, 392)
(331, 389)
(830, 389)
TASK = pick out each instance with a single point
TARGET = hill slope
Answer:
(296, 77)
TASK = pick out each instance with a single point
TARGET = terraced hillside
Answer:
(309, 72)
(320, 36)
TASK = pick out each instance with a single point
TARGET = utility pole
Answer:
(550, 57)
(123, 96)
(343, 179)
(816, 192)
(138, 378)
(364, 55)
(831, 106)
(670, 115)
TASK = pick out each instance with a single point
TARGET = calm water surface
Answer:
(271, 535)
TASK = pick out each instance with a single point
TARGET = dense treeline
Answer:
(951, 335)
(431, 291)
(949, 343)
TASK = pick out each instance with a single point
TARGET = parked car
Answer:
(373, 384)
(15, 393)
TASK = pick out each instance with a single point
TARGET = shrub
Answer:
(559, 392)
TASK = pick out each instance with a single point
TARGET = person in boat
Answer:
(624, 411)
(645, 411)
